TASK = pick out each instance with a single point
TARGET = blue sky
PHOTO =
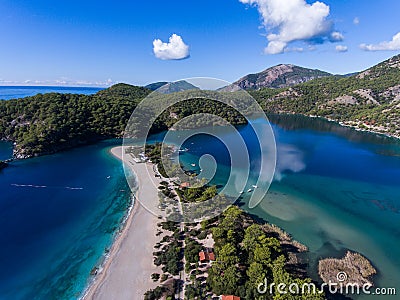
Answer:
(100, 42)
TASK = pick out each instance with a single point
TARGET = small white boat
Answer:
(108, 177)
(254, 186)
(241, 191)
(249, 190)
(193, 165)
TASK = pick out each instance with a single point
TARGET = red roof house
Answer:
(211, 256)
(202, 256)
(184, 185)
(230, 297)
(206, 256)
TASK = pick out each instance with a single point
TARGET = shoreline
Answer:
(130, 247)
(107, 257)
(356, 127)
(345, 124)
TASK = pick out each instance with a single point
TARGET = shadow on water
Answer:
(6, 150)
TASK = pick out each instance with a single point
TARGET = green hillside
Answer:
(369, 100)
(51, 122)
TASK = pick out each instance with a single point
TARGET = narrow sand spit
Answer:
(126, 273)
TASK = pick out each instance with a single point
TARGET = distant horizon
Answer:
(57, 86)
(16, 84)
(20, 91)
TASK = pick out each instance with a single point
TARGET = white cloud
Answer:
(356, 21)
(341, 48)
(394, 44)
(174, 49)
(336, 36)
(294, 20)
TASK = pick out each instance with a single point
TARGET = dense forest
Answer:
(246, 255)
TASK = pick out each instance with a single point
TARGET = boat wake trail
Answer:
(45, 186)
(29, 185)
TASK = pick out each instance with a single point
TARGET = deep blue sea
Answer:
(13, 92)
(58, 215)
(335, 189)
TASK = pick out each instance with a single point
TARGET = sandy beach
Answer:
(127, 272)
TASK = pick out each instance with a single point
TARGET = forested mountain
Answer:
(280, 76)
(368, 100)
(51, 122)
